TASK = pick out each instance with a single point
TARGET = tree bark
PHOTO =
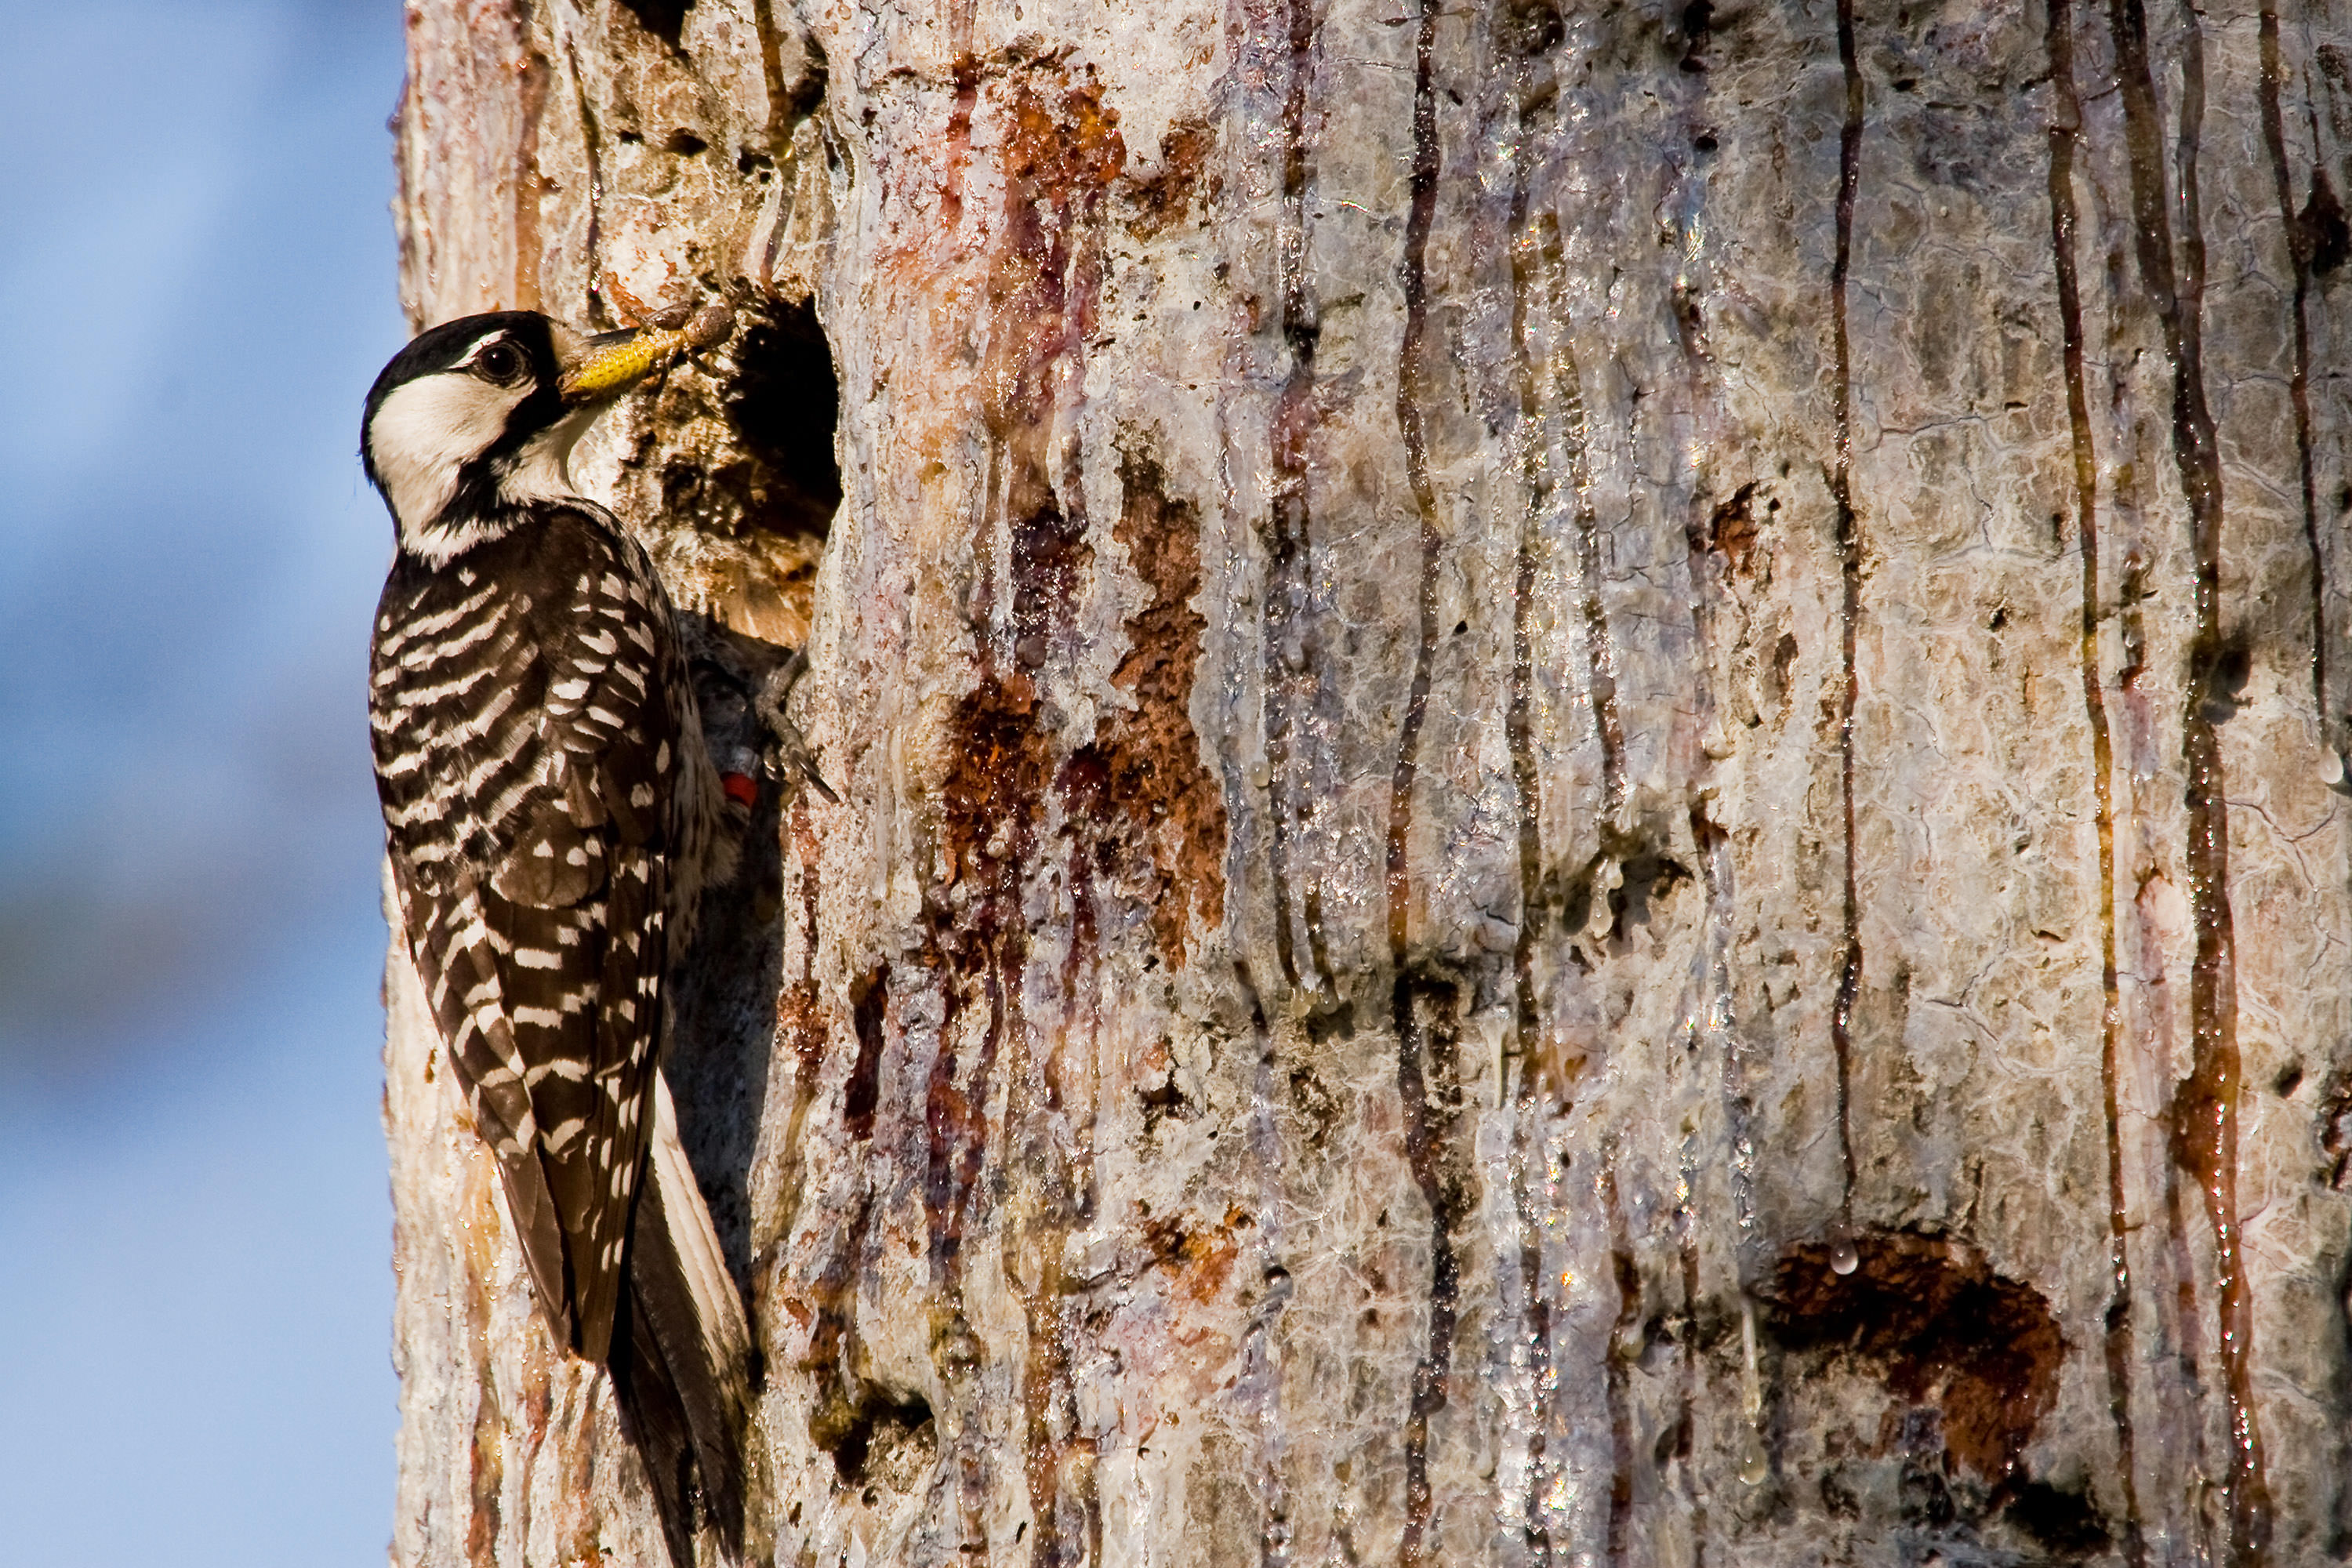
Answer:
(1590, 768)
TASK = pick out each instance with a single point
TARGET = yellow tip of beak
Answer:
(612, 365)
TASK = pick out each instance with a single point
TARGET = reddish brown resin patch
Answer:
(1164, 198)
(1143, 775)
(1940, 1327)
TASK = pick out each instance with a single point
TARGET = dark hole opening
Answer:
(878, 1425)
(784, 404)
(869, 1003)
(2065, 1523)
(665, 19)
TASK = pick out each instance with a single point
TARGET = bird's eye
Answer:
(498, 363)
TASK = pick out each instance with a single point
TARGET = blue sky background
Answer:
(197, 278)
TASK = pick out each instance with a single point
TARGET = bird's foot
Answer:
(794, 760)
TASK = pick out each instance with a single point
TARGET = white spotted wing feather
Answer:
(531, 715)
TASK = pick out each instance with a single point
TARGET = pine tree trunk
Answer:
(1589, 767)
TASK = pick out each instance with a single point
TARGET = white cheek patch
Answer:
(542, 471)
(428, 430)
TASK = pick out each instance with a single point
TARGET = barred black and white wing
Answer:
(527, 714)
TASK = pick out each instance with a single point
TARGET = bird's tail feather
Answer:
(683, 1385)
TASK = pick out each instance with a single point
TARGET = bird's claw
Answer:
(793, 755)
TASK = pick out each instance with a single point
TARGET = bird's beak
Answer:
(601, 368)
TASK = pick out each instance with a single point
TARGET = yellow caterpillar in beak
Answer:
(614, 360)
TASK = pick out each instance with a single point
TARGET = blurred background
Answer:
(196, 269)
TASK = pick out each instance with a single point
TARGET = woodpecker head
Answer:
(476, 419)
